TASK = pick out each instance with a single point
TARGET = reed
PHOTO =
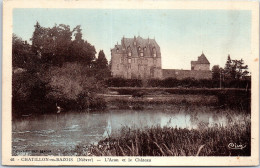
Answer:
(168, 141)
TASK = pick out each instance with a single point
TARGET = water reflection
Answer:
(61, 132)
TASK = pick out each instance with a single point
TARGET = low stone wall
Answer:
(182, 74)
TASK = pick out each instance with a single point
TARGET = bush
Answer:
(173, 82)
(121, 82)
(28, 94)
(72, 86)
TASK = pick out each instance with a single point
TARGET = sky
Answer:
(181, 34)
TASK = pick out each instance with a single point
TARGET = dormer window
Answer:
(129, 54)
(154, 52)
(117, 50)
(139, 48)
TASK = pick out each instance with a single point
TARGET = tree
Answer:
(54, 46)
(235, 69)
(101, 66)
(101, 61)
(216, 72)
(80, 50)
(71, 85)
(51, 45)
(228, 70)
(21, 53)
(240, 68)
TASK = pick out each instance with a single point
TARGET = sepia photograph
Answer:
(143, 82)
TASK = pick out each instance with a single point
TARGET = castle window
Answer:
(129, 54)
(139, 48)
(154, 52)
(129, 61)
(117, 50)
(141, 54)
(144, 48)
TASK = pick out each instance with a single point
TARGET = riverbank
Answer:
(160, 101)
(225, 97)
(176, 90)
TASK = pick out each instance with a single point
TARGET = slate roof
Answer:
(201, 60)
(146, 46)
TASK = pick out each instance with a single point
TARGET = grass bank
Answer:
(177, 90)
(227, 97)
(167, 141)
(128, 102)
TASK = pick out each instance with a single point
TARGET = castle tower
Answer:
(202, 64)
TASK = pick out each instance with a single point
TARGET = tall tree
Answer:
(37, 39)
(51, 44)
(22, 57)
(235, 69)
(240, 68)
(101, 61)
(80, 50)
(228, 67)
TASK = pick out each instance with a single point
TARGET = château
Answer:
(139, 58)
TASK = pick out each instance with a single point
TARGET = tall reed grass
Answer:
(168, 141)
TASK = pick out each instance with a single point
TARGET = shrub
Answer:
(121, 82)
(28, 94)
(72, 86)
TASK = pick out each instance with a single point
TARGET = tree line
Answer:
(58, 68)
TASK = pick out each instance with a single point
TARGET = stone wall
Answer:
(182, 74)
(202, 67)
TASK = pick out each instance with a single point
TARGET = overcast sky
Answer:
(181, 34)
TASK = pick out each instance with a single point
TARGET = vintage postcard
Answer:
(130, 83)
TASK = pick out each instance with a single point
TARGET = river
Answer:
(54, 134)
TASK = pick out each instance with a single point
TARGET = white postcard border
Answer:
(8, 159)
